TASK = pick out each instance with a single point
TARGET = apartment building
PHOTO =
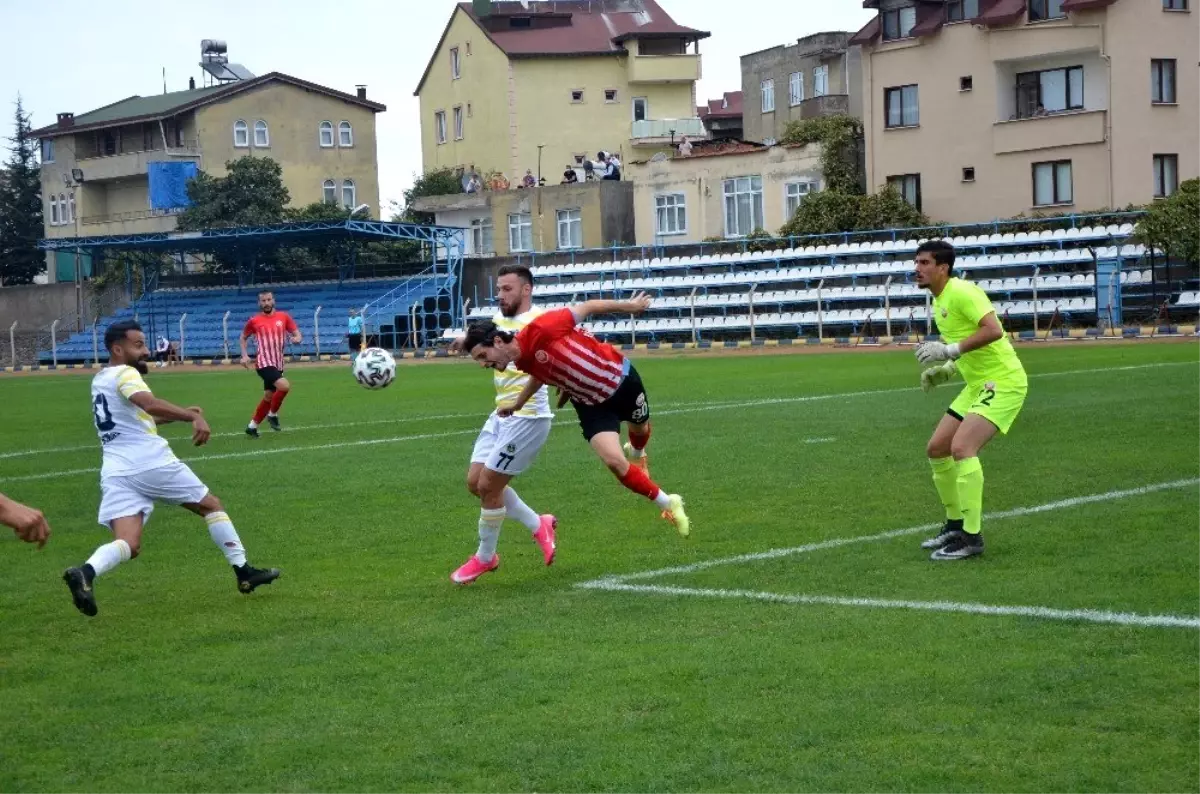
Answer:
(981, 109)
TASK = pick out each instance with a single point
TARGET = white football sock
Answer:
(489, 532)
(109, 556)
(519, 511)
(252, 424)
(272, 413)
(226, 537)
(663, 499)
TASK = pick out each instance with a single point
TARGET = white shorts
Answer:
(135, 494)
(509, 446)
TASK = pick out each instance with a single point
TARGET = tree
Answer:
(250, 194)
(831, 212)
(439, 182)
(21, 207)
(1173, 224)
(839, 136)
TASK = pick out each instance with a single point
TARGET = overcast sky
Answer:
(80, 55)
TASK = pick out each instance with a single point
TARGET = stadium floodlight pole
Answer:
(750, 299)
(54, 343)
(413, 324)
(887, 303)
(1036, 272)
(363, 314)
(12, 342)
(225, 334)
(317, 330)
(692, 303)
(182, 336)
(820, 311)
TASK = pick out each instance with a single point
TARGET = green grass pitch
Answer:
(850, 666)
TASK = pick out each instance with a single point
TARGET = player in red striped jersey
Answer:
(602, 385)
(270, 327)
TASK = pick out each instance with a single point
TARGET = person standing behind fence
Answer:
(354, 329)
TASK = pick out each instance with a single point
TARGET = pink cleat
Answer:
(545, 537)
(474, 568)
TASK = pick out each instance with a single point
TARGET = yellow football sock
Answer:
(970, 494)
(945, 479)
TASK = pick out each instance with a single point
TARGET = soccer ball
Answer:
(374, 368)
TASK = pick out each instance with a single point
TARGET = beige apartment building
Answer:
(96, 166)
(982, 109)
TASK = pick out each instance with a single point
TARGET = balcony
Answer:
(664, 68)
(127, 164)
(658, 132)
(1049, 131)
(827, 105)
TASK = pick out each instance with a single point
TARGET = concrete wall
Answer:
(1111, 146)
(35, 306)
(779, 63)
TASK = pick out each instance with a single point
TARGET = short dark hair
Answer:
(942, 251)
(117, 331)
(483, 332)
(262, 292)
(520, 271)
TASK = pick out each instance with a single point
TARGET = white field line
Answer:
(621, 583)
(834, 543)
(1044, 613)
(680, 408)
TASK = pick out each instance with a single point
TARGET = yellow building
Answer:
(510, 83)
(96, 166)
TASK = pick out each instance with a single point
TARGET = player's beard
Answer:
(140, 366)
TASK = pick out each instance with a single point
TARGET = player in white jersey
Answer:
(508, 446)
(140, 469)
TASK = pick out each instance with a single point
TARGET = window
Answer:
(899, 22)
(520, 22)
(1175, 5)
(610, 95)
(468, 48)
(769, 141)
(968, 174)
(261, 138)
(908, 186)
(670, 214)
(743, 205)
(1162, 82)
(348, 194)
(900, 106)
(576, 95)
(796, 88)
(793, 196)
(1052, 183)
(439, 126)
(325, 133)
(768, 96)
(48, 150)
(1046, 9)
(961, 10)
(520, 232)
(481, 237)
(821, 81)
(458, 123)
(641, 108)
(570, 229)
(71, 206)
(54, 220)
(241, 134)
(1166, 175)
(579, 158)
(966, 83)
(455, 64)
(329, 192)
(469, 113)
(345, 134)
(1049, 91)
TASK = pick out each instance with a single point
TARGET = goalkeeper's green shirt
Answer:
(957, 312)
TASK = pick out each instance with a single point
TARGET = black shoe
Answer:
(80, 585)
(273, 421)
(961, 547)
(252, 432)
(950, 531)
(249, 577)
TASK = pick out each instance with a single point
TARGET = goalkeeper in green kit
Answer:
(976, 347)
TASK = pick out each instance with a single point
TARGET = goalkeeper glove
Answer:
(933, 352)
(936, 376)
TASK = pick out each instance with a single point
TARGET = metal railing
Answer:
(666, 128)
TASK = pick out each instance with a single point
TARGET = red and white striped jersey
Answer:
(556, 351)
(271, 330)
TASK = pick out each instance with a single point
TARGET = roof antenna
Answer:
(164, 79)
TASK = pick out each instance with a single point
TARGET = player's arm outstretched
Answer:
(635, 305)
(162, 412)
(531, 388)
(29, 523)
(929, 354)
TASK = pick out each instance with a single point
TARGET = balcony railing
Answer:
(664, 68)
(188, 148)
(664, 129)
(1049, 131)
(135, 215)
